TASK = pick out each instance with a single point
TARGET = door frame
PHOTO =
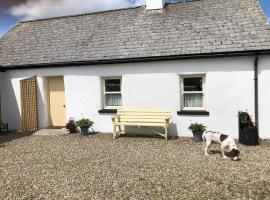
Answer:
(49, 102)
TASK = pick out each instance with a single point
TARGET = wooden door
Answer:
(57, 108)
(29, 104)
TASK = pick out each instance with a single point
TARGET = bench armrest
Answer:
(115, 119)
(167, 120)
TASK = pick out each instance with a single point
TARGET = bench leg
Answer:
(120, 129)
(166, 133)
(114, 131)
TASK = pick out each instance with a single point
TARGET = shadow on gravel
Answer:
(7, 137)
(214, 152)
(132, 135)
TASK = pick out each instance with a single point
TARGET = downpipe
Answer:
(256, 91)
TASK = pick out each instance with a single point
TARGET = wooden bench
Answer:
(141, 118)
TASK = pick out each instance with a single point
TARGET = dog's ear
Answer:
(237, 152)
(223, 137)
(234, 153)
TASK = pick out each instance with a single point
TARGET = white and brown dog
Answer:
(227, 143)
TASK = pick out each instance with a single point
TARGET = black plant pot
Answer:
(84, 130)
(197, 136)
(249, 136)
(241, 136)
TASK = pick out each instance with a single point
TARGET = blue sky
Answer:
(266, 7)
(7, 20)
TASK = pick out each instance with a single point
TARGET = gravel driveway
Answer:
(98, 167)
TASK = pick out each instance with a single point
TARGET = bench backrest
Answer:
(143, 115)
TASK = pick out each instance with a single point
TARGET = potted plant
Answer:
(248, 131)
(197, 130)
(84, 125)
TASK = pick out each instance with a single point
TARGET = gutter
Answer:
(2, 69)
(256, 91)
(140, 59)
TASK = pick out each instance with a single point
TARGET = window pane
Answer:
(193, 84)
(193, 100)
(113, 100)
(112, 85)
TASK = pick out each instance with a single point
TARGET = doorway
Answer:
(57, 102)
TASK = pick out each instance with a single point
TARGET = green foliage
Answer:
(197, 127)
(84, 123)
(245, 120)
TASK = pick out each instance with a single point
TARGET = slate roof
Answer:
(198, 27)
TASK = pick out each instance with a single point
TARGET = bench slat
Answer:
(143, 114)
(141, 124)
(142, 120)
(141, 117)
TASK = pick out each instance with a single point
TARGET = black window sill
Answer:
(107, 111)
(193, 112)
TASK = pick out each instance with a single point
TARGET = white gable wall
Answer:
(264, 96)
(229, 87)
(154, 4)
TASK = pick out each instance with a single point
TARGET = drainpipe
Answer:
(256, 90)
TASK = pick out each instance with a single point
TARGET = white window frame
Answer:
(104, 91)
(203, 92)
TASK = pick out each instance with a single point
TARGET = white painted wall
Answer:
(43, 101)
(229, 84)
(264, 96)
(154, 4)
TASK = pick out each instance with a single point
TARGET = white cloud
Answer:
(35, 9)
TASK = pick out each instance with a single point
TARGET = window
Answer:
(192, 87)
(112, 92)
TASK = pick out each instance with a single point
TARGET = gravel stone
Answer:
(98, 167)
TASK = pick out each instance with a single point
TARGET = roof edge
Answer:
(139, 59)
(11, 29)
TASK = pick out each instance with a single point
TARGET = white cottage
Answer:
(203, 60)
